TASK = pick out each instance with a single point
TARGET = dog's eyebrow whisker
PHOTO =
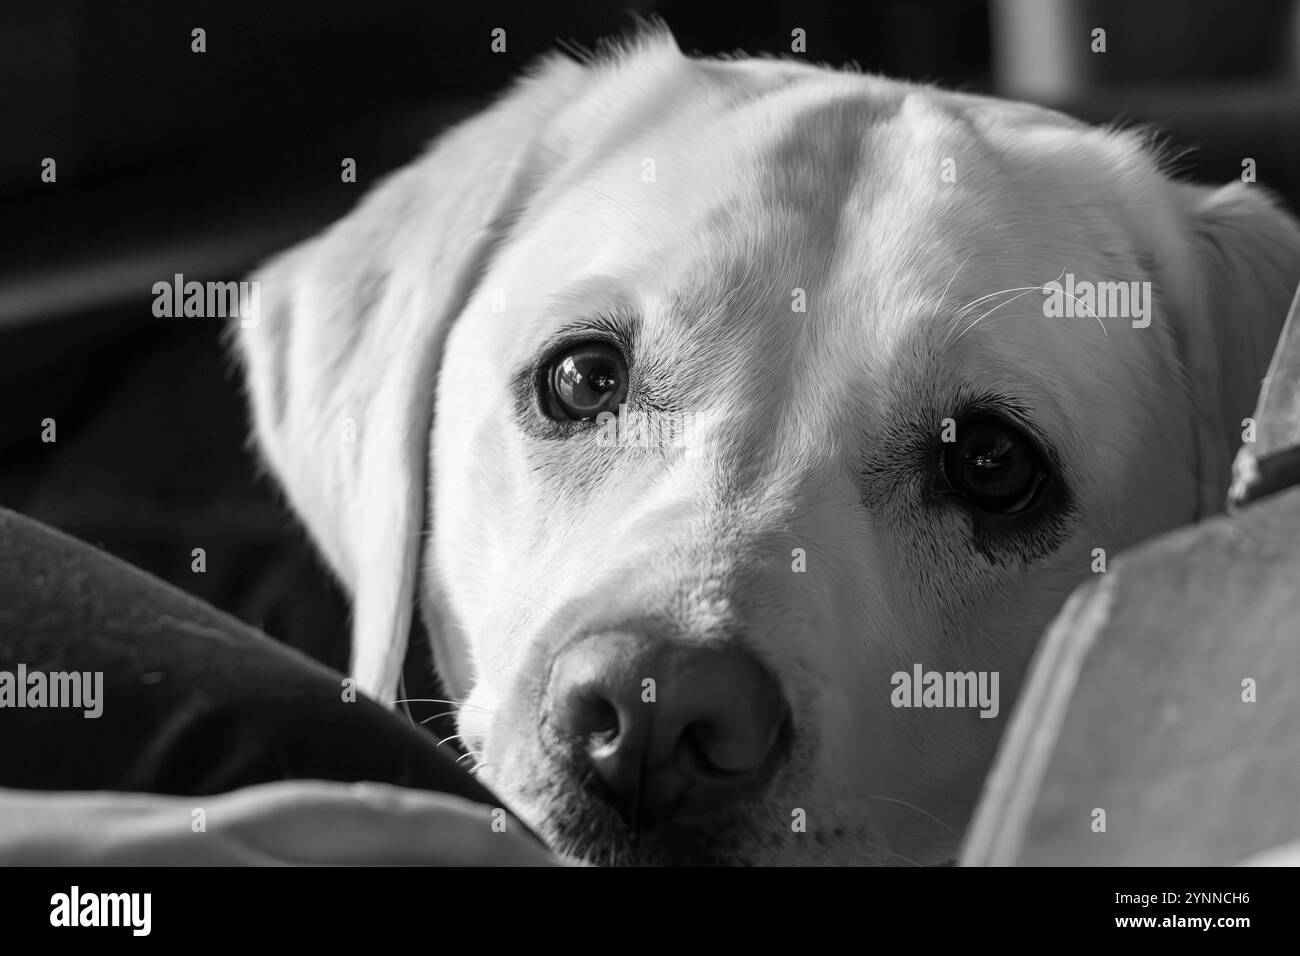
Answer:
(991, 322)
(1022, 295)
(911, 806)
(965, 310)
(1023, 290)
(971, 327)
(970, 307)
(955, 320)
(951, 279)
(1094, 314)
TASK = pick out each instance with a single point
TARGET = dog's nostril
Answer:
(584, 711)
(700, 742)
(604, 718)
(725, 752)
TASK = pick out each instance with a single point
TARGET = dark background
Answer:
(203, 163)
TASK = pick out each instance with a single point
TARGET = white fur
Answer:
(770, 176)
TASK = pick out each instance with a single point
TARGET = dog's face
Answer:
(758, 405)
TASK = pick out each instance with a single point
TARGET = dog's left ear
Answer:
(1243, 271)
(342, 356)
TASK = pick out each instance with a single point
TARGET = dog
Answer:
(880, 446)
(897, 409)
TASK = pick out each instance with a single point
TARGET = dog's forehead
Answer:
(743, 182)
(763, 230)
(739, 192)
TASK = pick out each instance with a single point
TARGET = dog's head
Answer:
(762, 416)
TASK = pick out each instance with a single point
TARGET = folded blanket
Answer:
(111, 679)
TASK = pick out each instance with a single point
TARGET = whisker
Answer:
(1025, 293)
(435, 700)
(944, 294)
(912, 806)
(994, 309)
(1094, 314)
(970, 306)
(906, 859)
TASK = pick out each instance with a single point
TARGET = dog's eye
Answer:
(993, 465)
(586, 380)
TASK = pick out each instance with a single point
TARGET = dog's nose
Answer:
(674, 731)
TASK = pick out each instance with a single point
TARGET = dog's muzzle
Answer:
(672, 733)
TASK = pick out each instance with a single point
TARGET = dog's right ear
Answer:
(342, 354)
(1245, 265)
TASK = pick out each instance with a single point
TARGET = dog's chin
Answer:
(668, 846)
(580, 822)
(597, 835)
(584, 824)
